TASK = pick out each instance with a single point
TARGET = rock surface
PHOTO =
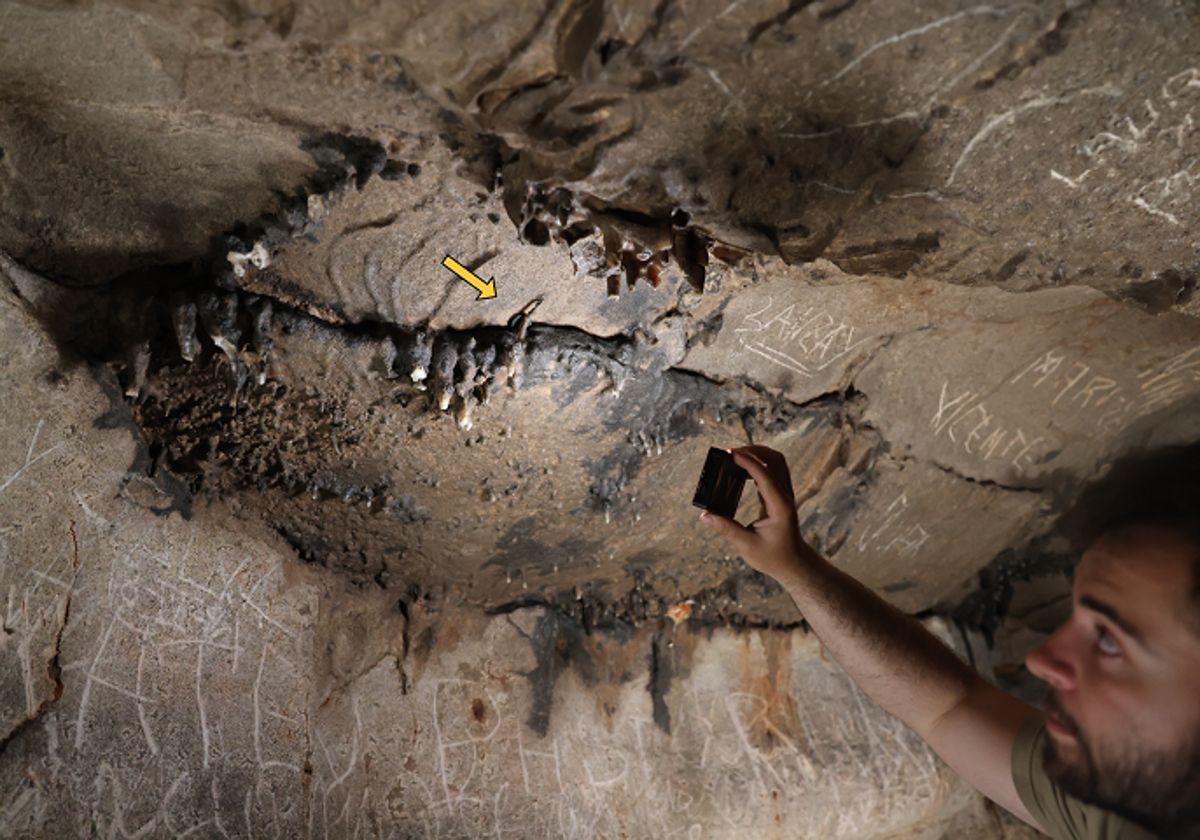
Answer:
(168, 673)
(301, 536)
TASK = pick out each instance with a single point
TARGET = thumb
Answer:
(737, 534)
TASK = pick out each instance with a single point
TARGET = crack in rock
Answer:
(53, 669)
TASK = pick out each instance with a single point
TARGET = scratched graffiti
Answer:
(163, 671)
(802, 340)
(1159, 137)
(196, 640)
(198, 678)
(177, 617)
(1100, 401)
(1079, 388)
(893, 531)
(189, 705)
(735, 761)
(35, 583)
(189, 712)
(994, 30)
(967, 423)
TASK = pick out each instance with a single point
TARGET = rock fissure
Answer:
(955, 472)
(985, 608)
(53, 668)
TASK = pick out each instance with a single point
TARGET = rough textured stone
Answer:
(377, 258)
(1052, 403)
(299, 536)
(210, 684)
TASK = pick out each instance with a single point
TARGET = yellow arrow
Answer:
(486, 290)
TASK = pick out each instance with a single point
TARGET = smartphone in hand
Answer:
(721, 481)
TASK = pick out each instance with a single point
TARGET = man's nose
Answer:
(1054, 660)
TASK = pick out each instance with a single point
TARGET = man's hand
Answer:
(772, 543)
(907, 671)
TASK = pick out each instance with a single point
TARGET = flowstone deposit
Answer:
(300, 536)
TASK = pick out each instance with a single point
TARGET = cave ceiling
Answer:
(942, 255)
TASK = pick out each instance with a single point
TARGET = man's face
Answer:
(1123, 674)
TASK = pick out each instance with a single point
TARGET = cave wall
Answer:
(301, 537)
(171, 671)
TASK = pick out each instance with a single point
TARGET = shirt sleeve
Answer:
(1037, 792)
(1063, 817)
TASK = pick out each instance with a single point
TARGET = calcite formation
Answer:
(299, 536)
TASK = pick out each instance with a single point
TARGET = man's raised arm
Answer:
(901, 666)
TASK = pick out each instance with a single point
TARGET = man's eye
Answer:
(1106, 643)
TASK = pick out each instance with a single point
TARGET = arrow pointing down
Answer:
(486, 290)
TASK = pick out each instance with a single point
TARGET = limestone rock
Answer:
(297, 536)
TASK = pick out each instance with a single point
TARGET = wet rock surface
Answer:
(300, 530)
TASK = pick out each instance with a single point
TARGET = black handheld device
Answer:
(720, 487)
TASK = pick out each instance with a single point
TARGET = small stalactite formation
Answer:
(217, 340)
(609, 244)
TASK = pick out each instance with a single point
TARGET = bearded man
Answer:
(1116, 751)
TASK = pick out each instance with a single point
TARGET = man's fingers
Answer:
(777, 504)
(769, 458)
(738, 535)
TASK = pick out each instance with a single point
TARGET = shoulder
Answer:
(1063, 817)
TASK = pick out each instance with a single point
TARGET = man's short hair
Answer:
(1160, 488)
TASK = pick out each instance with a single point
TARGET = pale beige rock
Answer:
(196, 660)
(986, 182)
(916, 532)
(59, 470)
(1046, 385)
(378, 258)
(107, 120)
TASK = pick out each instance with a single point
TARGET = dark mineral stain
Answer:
(653, 411)
(344, 156)
(519, 549)
(400, 83)
(422, 646)
(558, 644)
(777, 21)
(893, 588)
(661, 672)
(705, 332)
(1162, 290)
(798, 242)
(120, 413)
(572, 359)
(894, 257)
(394, 170)
(985, 608)
(308, 547)
(833, 522)
(405, 509)
(1011, 265)
(216, 416)
(1055, 41)
(610, 475)
(643, 561)
(177, 491)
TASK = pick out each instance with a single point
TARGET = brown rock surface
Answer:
(299, 537)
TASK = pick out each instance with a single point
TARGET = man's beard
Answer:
(1160, 790)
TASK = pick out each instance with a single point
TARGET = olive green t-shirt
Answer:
(1063, 817)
